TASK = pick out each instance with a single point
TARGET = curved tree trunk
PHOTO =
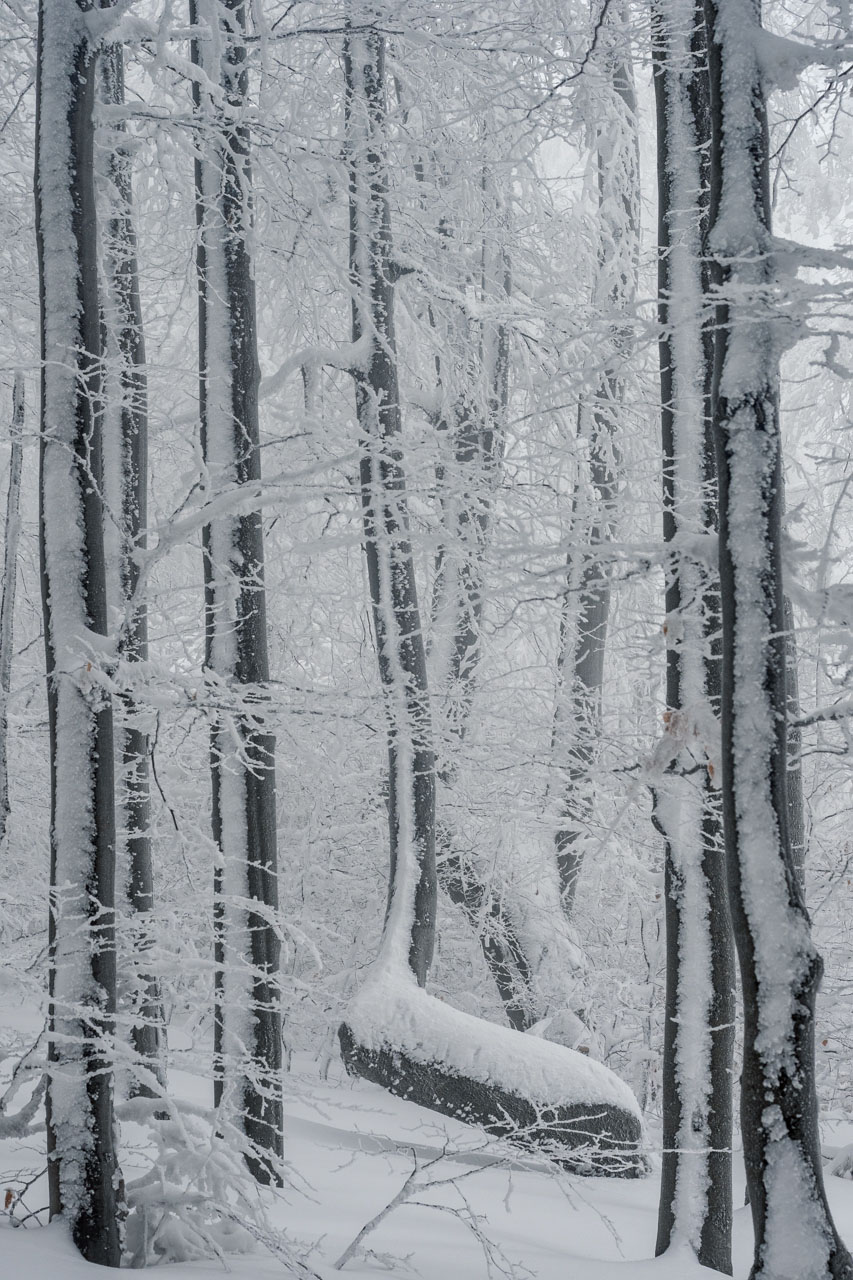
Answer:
(586, 607)
(125, 415)
(83, 1174)
(780, 967)
(467, 484)
(247, 1022)
(696, 1191)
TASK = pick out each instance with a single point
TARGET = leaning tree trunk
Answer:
(475, 428)
(780, 966)
(7, 604)
(696, 1190)
(394, 1032)
(83, 1173)
(125, 416)
(586, 607)
(247, 1021)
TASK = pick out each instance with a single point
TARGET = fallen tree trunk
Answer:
(531, 1091)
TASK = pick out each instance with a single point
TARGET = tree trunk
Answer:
(780, 967)
(82, 1168)
(125, 414)
(467, 483)
(7, 604)
(247, 1021)
(586, 607)
(410, 925)
(696, 1191)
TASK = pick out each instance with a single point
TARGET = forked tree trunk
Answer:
(780, 966)
(696, 1190)
(82, 1170)
(7, 603)
(125, 418)
(410, 924)
(586, 607)
(247, 1021)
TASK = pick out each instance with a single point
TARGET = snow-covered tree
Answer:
(780, 965)
(82, 1166)
(696, 1194)
(247, 1025)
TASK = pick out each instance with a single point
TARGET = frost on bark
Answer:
(82, 1168)
(247, 1021)
(394, 1033)
(125, 425)
(7, 603)
(586, 608)
(696, 1193)
(780, 967)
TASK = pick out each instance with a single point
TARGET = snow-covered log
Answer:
(521, 1087)
(247, 1022)
(696, 1192)
(83, 1174)
(780, 966)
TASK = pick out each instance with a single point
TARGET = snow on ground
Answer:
(351, 1147)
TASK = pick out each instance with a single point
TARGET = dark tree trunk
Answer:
(247, 1023)
(600, 1140)
(82, 1169)
(780, 967)
(126, 484)
(696, 1191)
(7, 604)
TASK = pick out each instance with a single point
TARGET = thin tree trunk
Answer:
(696, 1191)
(126, 486)
(410, 925)
(7, 604)
(467, 484)
(586, 607)
(247, 1022)
(780, 966)
(83, 1174)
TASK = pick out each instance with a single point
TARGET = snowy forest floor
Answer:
(350, 1148)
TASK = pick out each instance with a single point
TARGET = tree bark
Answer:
(780, 966)
(125, 414)
(247, 1015)
(696, 1191)
(83, 1173)
(7, 604)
